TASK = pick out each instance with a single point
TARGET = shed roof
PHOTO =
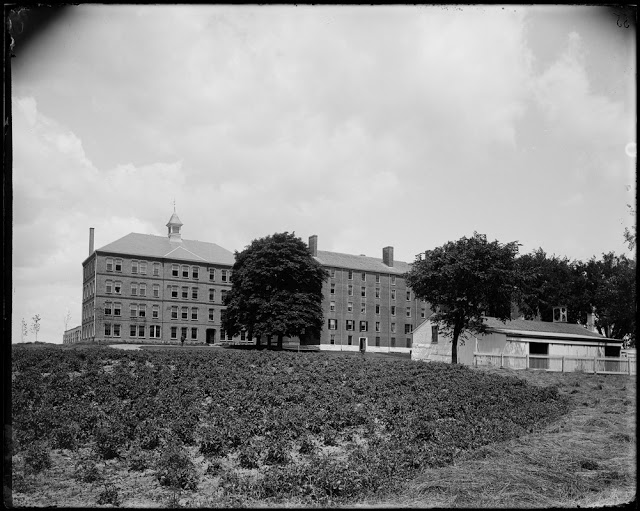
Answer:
(360, 263)
(542, 328)
(148, 245)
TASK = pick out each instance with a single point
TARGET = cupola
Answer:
(173, 225)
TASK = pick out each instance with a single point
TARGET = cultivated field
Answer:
(208, 428)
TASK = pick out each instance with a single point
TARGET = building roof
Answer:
(148, 245)
(360, 263)
(543, 329)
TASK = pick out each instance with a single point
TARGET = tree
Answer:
(551, 281)
(67, 318)
(25, 330)
(35, 325)
(276, 289)
(630, 234)
(465, 280)
(612, 294)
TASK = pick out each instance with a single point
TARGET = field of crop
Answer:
(209, 428)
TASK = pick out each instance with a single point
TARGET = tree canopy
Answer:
(464, 281)
(276, 289)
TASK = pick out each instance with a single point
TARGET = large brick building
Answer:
(157, 289)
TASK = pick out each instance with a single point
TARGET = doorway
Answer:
(211, 335)
(538, 348)
(363, 344)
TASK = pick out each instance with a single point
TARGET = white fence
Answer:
(598, 365)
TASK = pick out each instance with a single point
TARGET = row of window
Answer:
(140, 289)
(155, 332)
(363, 291)
(350, 325)
(185, 271)
(363, 276)
(89, 269)
(88, 290)
(140, 311)
(363, 309)
(332, 340)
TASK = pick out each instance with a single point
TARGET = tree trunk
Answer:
(454, 344)
(280, 338)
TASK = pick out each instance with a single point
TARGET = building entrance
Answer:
(211, 335)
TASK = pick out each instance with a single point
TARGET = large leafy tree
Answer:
(276, 289)
(464, 281)
(611, 289)
(549, 281)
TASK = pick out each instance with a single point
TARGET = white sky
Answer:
(368, 126)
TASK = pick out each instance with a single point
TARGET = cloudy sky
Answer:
(368, 126)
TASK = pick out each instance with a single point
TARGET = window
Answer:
(142, 312)
(117, 309)
(223, 275)
(350, 275)
(350, 324)
(408, 342)
(195, 272)
(185, 313)
(133, 330)
(134, 266)
(377, 326)
(364, 326)
(185, 271)
(107, 329)
(393, 342)
(350, 290)
(194, 293)
(133, 309)
(109, 286)
(174, 312)
(212, 295)
(332, 324)
(408, 312)
(155, 312)
(211, 314)
(332, 306)
(393, 328)
(363, 291)
(378, 309)
(109, 266)
(174, 332)
(332, 339)
(423, 313)
(377, 292)
(223, 295)
(377, 341)
(174, 291)
(434, 334)
(350, 340)
(332, 273)
(154, 332)
(363, 276)
(333, 289)
(393, 310)
(212, 274)
(118, 268)
(408, 295)
(393, 280)
(393, 294)
(377, 278)
(156, 290)
(117, 287)
(363, 308)
(185, 293)
(194, 333)
(183, 332)
(194, 313)
(143, 267)
(116, 330)
(408, 328)
(156, 269)
(243, 335)
(134, 289)
(107, 308)
(175, 270)
(349, 306)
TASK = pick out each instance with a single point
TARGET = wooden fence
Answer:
(597, 365)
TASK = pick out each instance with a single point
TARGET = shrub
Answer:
(37, 457)
(109, 441)
(249, 456)
(109, 495)
(86, 471)
(277, 453)
(307, 446)
(175, 469)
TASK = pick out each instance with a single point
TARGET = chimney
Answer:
(591, 322)
(387, 256)
(313, 245)
(90, 240)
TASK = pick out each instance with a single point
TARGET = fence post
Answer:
(563, 364)
(629, 365)
(526, 361)
(501, 360)
(595, 365)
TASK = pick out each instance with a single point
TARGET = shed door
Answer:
(538, 348)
